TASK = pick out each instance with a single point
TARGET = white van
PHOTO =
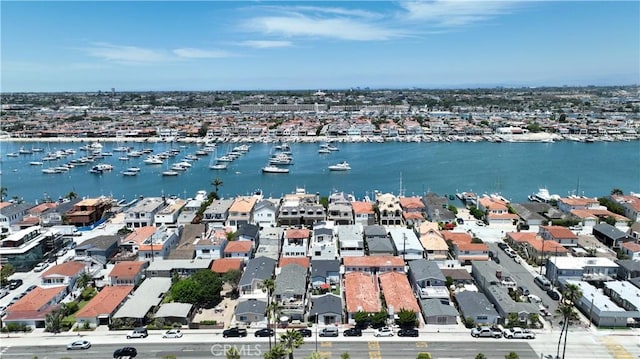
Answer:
(542, 282)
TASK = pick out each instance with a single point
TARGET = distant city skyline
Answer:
(283, 45)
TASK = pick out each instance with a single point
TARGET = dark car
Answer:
(502, 245)
(352, 332)
(130, 352)
(460, 220)
(305, 332)
(15, 283)
(406, 332)
(264, 332)
(234, 332)
(553, 294)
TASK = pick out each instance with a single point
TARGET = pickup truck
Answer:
(234, 332)
(519, 333)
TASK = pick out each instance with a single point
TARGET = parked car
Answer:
(480, 223)
(138, 333)
(234, 332)
(173, 333)
(532, 298)
(305, 332)
(460, 220)
(486, 332)
(40, 266)
(352, 332)
(3, 311)
(524, 290)
(502, 245)
(519, 333)
(79, 344)
(264, 332)
(407, 332)
(383, 332)
(15, 283)
(329, 332)
(553, 294)
(128, 352)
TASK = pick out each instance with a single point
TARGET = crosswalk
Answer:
(616, 350)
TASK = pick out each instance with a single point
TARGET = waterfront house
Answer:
(256, 271)
(562, 235)
(534, 247)
(436, 208)
(531, 213)
(326, 309)
(212, 243)
(631, 206)
(300, 209)
(191, 207)
(291, 291)
(580, 268)
(265, 212)
(239, 249)
(37, 212)
(143, 213)
(361, 294)
(496, 209)
(11, 214)
(476, 306)
(32, 309)
(389, 210)
(374, 265)
(170, 213)
(433, 242)
(339, 209)
(251, 310)
(350, 240)
(128, 273)
(144, 299)
(325, 273)
(323, 243)
(397, 293)
(631, 249)
(26, 248)
(217, 212)
(182, 267)
(296, 242)
(65, 274)
(99, 249)
(611, 236)
(427, 280)
(100, 309)
(406, 244)
(241, 210)
(363, 213)
(88, 211)
(55, 215)
(569, 204)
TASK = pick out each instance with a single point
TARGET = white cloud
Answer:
(266, 44)
(450, 13)
(192, 53)
(127, 54)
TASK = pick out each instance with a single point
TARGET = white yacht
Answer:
(274, 169)
(343, 166)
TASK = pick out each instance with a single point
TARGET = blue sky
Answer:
(262, 45)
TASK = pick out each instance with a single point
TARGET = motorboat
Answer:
(170, 173)
(543, 196)
(178, 167)
(12, 154)
(343, 166)
(218, 166)
(35, 163)
(100, 168)
(129, 172)
(153, 160)
(274, 169)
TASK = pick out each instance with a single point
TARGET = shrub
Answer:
(208, 322)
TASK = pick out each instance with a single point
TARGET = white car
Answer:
(173, 333)
(383, 332)
(40, 267)
(79, 344)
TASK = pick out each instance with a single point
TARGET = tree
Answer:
(379, 319)
(512, 355)
(232, 353)
(71, 195)
(211, 285)
(6, 271)
(84, 280)
(3, 193)
(423, 355)
(361, 318)
(345, 355)
(53, 321)
(217, 183)
(232, 277)
(571, 295)
(277, 352)
(407, 318)
(290, 340)
(617, 192)
(268, 285)
(481, 356)
(186, 291)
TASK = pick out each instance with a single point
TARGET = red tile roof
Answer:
(397, 292)
(105, 302)
(127, 269)
(559, 232)
(36, 299)
(238, 247)
(301, 261)
(411, 203)
(68, 269)
(362, 207)
(631, 246)
(295, 233)
(373, 261)
(472, 247)
(361, 293)
(457, 237)
(223, 265)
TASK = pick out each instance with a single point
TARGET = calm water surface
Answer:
(513, 169)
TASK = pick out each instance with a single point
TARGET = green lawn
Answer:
(72, 317)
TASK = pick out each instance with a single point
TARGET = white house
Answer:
(406, 243)
(323, 242)
(143, 213)
(265, 213)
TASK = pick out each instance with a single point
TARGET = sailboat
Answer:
(214, 164)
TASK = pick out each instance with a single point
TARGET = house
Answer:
(212, 243)
(323, 243)
(11, 214)
(251, 310)
(456, 237)
(534, 247)
(99, 249)
(217, 212)
(568, 204)
(631, 206)
(531, 213)
(598, 307)
(241, 210)
(239, 249)
(634, 231)
(437, 208)
(628, 269)
(291, 291)
(128, 273)
(186, 246)
(591, 217)
(562, 235)
(65, 274)
(427, 280)
(32, 309)
(53, 216)
(176, 313)
(476, 307)
(300, 209)
(248, 232)
(169, 214)
(326, 309)
(374, 265)
(380, 247)
(157, 244)
(182, 267)
(623, 294)
(459, 276)
(223, 265)
(361, 294)
(433, 242)
(631, 249)
(397, 293)
(146, 297)
(580, 268)
(435, 311)
(100, 309)
(350, 240)
(191, 208)
(325, 272)
(265, 213)
(256, 271)
(339, 209)
(406, 243)
(497, 210)
(467, 252)
(270, 242)
(609, 235)
(26, 248)
(296, 242)
(143, 213)
(363, 213)
(389, 210)
(285, 261)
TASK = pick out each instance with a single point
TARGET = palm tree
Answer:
(3, 193)
(277, 352)
(571, 295)
(617, 192)
(71, 195)
(84, 280)
(268, 285)
(217, 182)
(291, 339)
(272, 312)
(232, 353)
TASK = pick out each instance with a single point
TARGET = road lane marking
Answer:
(421, 344)
(326, 344)
(374, 346)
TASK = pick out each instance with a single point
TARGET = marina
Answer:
(516, 170)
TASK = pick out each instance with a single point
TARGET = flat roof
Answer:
(148, 295)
